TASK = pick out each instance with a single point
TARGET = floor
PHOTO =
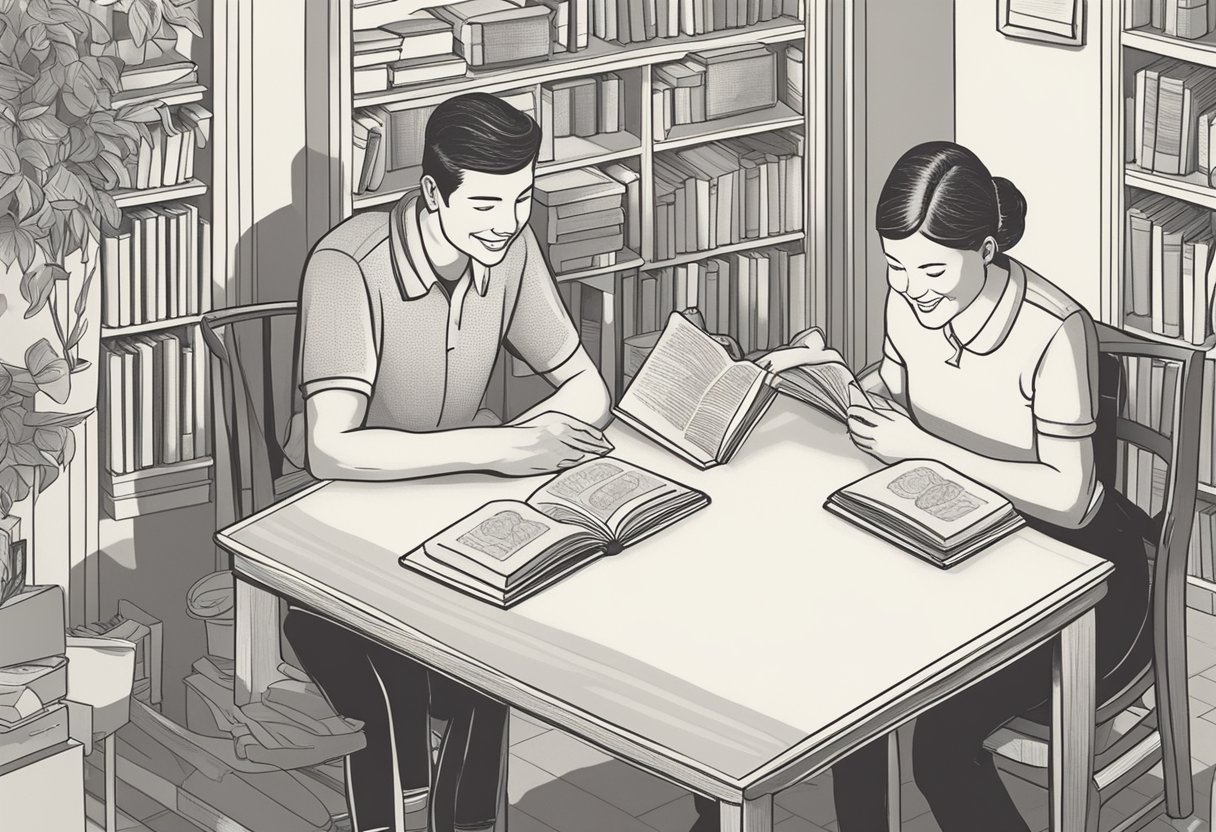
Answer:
(558, 784)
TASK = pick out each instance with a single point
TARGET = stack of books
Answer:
(391, 137)
(166, 156)
(157, 267)
(579, 219)
(488, 32)
(412, 51)
(33, 673)
(582, 107)
(168, 69)
(715, 84)
(1174, 103)
(759, 298)
(1189, 19)
(725, 192)
(637, 21)
(1170, 281)
(155, 400)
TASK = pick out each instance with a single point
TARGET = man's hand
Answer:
(889, 435)
(548, 442)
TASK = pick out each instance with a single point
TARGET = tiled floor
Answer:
(558, 784)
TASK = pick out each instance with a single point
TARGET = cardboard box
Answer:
(31, 625)
(45, 791)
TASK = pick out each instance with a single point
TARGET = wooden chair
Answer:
(1146, 722)
(258, 394)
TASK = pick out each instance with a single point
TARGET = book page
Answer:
(598, 489)
(503, 536)
(688, 390)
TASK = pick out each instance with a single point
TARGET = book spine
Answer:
(171, 396)
(1149, 138)
(110, 278)
(114, 411)
(1172, 286)
(1167, 156)
(130, 412)
(124, 278)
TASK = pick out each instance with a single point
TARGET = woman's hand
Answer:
(889, 435)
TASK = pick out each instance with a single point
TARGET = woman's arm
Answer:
(1058, 488)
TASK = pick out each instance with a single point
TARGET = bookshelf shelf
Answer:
(150, 196)
(151, 326)
(746, 245)
(599, 56)
(775, 118)
(626, 260)
(1200, 51)
(570, 152)
(1138, 325)
(1191, 188)
(1207, 492)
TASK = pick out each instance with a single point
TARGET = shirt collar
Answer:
(984, 325)
(411, 267)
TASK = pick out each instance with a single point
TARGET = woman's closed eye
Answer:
(935, 274)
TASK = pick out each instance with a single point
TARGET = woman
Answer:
(998, 369)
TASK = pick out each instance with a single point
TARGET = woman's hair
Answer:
(478, 132)
(944, 191)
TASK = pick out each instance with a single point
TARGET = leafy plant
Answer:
(63, 144)
(34, 445)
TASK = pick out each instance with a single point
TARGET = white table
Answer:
(736, 654)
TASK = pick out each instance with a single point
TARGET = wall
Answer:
(1032, 113)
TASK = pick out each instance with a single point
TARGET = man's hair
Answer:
(479, 132)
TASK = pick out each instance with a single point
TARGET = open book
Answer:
(694, 398)
(928, 509)
(508, 550)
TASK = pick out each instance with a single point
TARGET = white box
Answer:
(45, 791)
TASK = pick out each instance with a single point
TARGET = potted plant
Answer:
(63, 147)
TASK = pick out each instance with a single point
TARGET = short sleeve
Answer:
(337, 342)
(540, 331)
(1065, 381)
(893, 323)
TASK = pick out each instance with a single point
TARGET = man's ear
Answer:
(430, 192)
(988, 250)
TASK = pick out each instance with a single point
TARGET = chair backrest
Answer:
(253, 356)
(1146, 451)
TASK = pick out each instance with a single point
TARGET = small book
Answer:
(509, 550)
(420, 70)
(928, 509)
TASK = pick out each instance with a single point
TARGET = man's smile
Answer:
(492, 241)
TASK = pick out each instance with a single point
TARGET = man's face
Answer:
(486, 212)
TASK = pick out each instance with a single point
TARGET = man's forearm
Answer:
(387, 454)
(582, 396)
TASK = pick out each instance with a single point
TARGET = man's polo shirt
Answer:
(1020, 363)
(375, 318)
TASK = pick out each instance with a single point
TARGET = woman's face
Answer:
(937, 281)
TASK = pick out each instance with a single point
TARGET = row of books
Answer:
(584, 217)
(581, 107)
(391, 137)
(155, 400)
(1189, 19)
(637, 21)
(33, 673)
(759, 298)
(166, 156)
(713, 84)
(1170, 279)
(726, 192)
(157, 267)
(1174, 107)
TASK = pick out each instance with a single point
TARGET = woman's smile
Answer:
(927, 305)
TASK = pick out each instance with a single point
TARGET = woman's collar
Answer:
(984, 325)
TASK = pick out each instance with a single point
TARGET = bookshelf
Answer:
(130, 198)
(635, 144)
(1128, 49)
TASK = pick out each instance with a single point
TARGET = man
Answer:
(401, 318)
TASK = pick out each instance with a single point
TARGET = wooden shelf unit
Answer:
(1126, 51)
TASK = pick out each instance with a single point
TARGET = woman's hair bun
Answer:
(1011, 213)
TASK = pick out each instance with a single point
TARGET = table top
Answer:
(738, 650)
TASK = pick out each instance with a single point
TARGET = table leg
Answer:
(258, 652)
(755, 815)
(1072, 726)
(894, 783)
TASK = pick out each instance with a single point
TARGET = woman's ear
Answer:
(988, 249)
(430, 193)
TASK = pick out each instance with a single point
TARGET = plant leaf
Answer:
(11, 483)
(50, 439)
(50, 472)
(111, 215)
(82, 325)
(46, 128)
(34, 153)
(36, 287)
(6, 502)
(44, 419)
(50, 371)
(185, 16)
(6, 376)
(69, 449)
(139, 18)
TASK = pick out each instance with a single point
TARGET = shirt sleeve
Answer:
(1065, 381)
(540, 331)
(337, 342)
(891, 328)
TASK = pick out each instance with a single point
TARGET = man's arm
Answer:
(340, 448)
(580, 392)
